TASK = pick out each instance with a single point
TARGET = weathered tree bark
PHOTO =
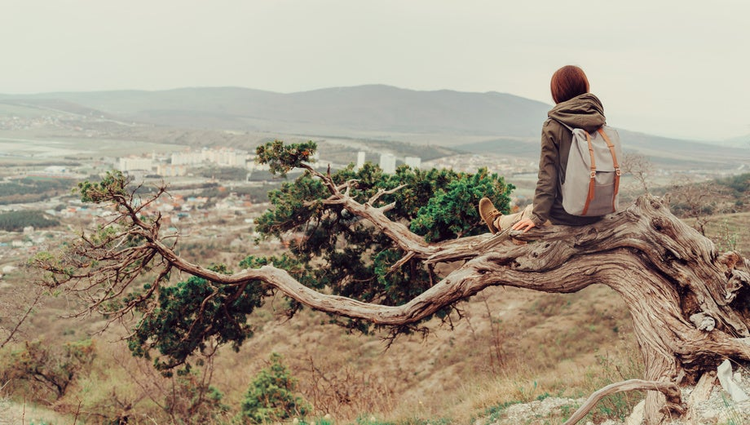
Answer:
(688, 302)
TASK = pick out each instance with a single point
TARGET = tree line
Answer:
(15, 221)
(32, 189)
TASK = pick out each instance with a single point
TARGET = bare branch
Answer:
(17, 323)
(402, 261)
(639, 167)
(669, 389)
(382, 192)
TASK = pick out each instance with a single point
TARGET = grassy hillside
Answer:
(511, 346)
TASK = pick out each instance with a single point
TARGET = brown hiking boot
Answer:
(489, 214)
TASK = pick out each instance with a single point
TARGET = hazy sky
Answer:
(675, 68)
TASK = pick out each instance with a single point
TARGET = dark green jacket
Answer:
(584, 111)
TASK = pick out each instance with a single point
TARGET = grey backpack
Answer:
(592, 176)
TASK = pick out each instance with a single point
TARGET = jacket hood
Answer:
(584, 111)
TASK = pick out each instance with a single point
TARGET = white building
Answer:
(187, 158)
(135, 163)
(222, 157)
(360, 160)
(171, 170)
(413, 161)
(226, 157)
(388, 163)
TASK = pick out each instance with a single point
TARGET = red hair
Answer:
(568, 82)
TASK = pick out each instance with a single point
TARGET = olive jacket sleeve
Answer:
(548, 179)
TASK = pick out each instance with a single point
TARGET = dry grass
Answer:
(12, 413)
(513, 345)
(730, 232)
(569, 347)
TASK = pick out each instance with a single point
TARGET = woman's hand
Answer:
(525, 224)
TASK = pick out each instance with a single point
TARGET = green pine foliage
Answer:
(451, 212)
(282, 159)
(270, 397)
(354, 259)
(113, 183)
(180, 326)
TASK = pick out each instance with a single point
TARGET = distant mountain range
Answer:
(474, 122)
(373, 108)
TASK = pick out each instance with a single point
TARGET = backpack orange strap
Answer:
(592, 182)
(614, 162)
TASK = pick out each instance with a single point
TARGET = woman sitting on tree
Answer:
(576, 108)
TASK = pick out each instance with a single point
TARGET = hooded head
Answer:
(568, 82)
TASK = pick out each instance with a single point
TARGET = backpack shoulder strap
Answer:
(616, 165)
(563, 124)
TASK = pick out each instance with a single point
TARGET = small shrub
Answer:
(193, 401)
(48, 369)
(270, 397)
(345, 391)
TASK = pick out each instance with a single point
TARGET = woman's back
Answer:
(583, 111)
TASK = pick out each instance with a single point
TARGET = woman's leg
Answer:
(506, 221)
(497, 222)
